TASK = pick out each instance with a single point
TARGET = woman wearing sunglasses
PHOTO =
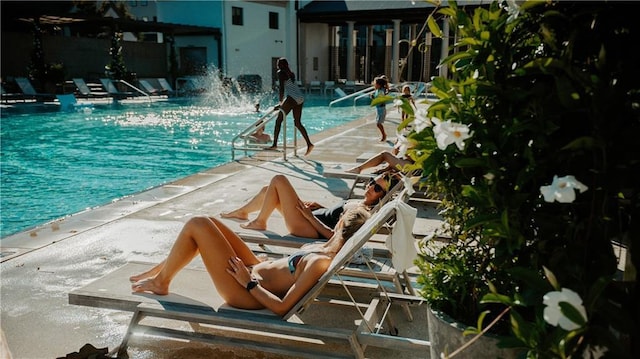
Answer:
(304, 219)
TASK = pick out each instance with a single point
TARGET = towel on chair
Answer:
(400, 242)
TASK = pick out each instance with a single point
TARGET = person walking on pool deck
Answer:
(281, 195)
(241, 279)
(291, 98)
(381, 88)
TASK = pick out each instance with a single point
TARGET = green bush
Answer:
(546, 90)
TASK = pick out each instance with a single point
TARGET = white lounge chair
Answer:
(29, 91)
(328, 86)
(85, 91)
(113, 91)
(261, 330)
(314, 86)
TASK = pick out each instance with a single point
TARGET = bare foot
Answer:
(255, 224)
(384, 138)
(309, 149)
(149, 285)
(237, 214)
(272, 148)
(355, 170)
(148, 274)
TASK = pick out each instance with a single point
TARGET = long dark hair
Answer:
(283, 65)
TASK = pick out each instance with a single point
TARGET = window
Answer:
(315, 64)
(236, 16)
(273, 20)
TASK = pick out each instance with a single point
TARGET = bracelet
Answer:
(252, 284)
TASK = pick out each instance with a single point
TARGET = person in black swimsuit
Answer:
(281, 195)
(241, 279)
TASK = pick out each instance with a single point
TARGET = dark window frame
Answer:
(237, 15)
(274, 20)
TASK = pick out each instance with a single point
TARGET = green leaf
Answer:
(572, 313)
(470, 162)
(551, 278)
(433, 26)
(496, 298)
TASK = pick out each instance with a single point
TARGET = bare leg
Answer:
(384, 156)
(297, 115)
(253, 205)
(148, 274)
(276, 130)
(382, 133)
(282, 196)
(216, 243)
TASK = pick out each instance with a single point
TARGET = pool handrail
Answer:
(351, 95)
(135, 89)
(263, 120)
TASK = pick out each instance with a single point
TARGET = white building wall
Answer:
(250, 48)
(314, 44)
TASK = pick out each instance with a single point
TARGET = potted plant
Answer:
(531, 147)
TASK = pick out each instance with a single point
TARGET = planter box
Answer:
(445, 335)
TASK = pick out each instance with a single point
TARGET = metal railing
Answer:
(368, 89)
(244, 142)
(135, 88)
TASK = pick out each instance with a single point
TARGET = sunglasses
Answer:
(376, 186)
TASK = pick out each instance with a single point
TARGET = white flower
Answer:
(562, 189)
(449, 132)
(421, 121)
(513, 9)
(397, 102)
(552, 312)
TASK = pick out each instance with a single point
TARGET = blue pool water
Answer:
(53, 164)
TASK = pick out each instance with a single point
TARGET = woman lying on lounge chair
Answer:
(240, 278)
(281, 195)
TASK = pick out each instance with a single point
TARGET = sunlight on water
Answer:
(58, 163)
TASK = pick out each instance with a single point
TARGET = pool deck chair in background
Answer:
(328, 86)
(150, 89)
(85, 91)
(166, 86)
(113, 91)
(194, 300)
(314, 86)
(30, 92)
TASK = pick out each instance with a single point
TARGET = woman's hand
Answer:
(312, 205)
(305, 209)
(239, 271)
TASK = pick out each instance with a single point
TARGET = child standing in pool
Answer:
(381, 88)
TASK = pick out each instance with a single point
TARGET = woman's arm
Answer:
(320, 227)
(315, 267)
(282, 78)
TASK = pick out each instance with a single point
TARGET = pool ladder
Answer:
(243, 140)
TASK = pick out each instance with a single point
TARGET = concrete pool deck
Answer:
(39, 267)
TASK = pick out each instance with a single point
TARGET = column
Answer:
(444, 52)
(367, 56)
(351, 62)
(395, 53)
(388, 57)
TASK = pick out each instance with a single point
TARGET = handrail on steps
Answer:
(136, 89)
(248, 145)
(370, 88)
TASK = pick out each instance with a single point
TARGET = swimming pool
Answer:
(54, 164)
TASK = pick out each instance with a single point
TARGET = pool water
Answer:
(54, 164)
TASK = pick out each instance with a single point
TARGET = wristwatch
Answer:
(252, 284)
